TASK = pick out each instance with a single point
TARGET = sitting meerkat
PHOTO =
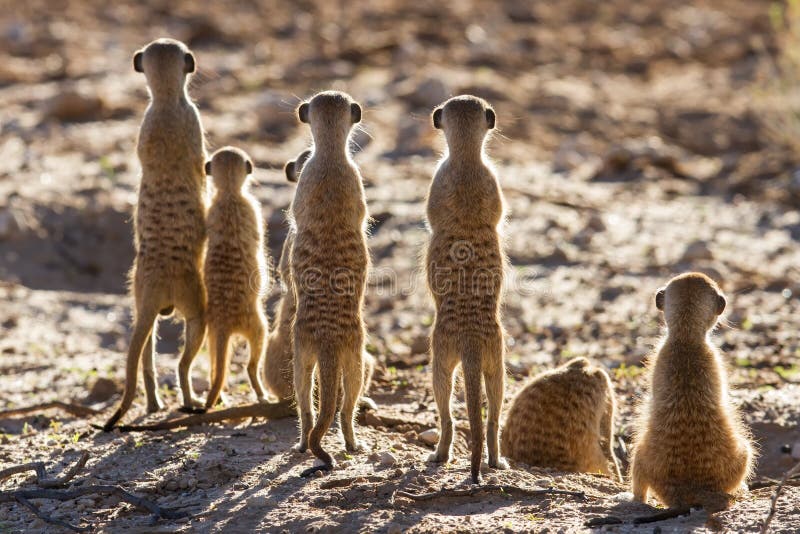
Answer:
(235, 270)
(465, 262)
(564, 418)
(329, 262)
(280, 351)
(691, 447)
(169, 222)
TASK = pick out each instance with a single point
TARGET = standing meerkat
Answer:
(465, 261)
(690, 446)
(280, 350)
(329, 262)
(169, 221)
(564, 418)
(235, 270)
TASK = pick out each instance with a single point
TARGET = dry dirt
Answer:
(630, 149)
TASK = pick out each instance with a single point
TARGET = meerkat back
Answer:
(690, 445)
(563, 418)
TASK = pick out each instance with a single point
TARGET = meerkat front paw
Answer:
(300, 447)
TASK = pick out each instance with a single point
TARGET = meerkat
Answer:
(169, 221)
(564, 418)
(235, 270)
(465, 262)
(690, 446)
(280, 351)
(329, 262)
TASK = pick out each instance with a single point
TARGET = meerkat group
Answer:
(209, 265)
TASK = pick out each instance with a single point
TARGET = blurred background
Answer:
(637, 139)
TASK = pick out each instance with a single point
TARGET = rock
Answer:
(429, 437)
(74, 106)
(102, 390)
(419, 345)
(386, 459)
(394, 528)
(427, 93)
(696, 251)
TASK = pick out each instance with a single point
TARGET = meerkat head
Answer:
(691, 302)
(166, 63)
(294, 167)
(465, 120)
(331, 115)
(230, 167)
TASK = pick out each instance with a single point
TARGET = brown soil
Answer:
(630, 149)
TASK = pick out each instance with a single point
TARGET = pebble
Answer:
(73, 106)
(696, 251)
(430, 436)
(394, 528)
(386, 459)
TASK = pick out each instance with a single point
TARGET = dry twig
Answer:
(503, 488)
(774, 503)
(24, 497)
(270, 410)
(69, 407)
(38, 468)
(669, 513)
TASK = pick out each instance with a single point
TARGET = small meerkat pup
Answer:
(169, 221)
(465, 262)
(235, 270)
(280, 351)
(329, 262)
(564, 418)
(691, 447)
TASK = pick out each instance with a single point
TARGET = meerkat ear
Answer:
(189, 65)
(490, 117)
(248, 166)
(137, 61)
(302, 112)
(437, 118)
(660, 299)
(721, 303)
(355, 113)
(288, 170)
(208, 168)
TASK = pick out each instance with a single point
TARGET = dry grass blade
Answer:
(69, 407)
(774, 503)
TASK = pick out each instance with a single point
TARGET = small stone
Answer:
(796, 450)
(73, 106)
(171, 485)
(270, 438)
(696, 251)
(429, 437)
(419, 345)
(386, 459)
(102, 390)
(394, 528)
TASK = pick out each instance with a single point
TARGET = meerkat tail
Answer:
(471, 365)
(329, 381)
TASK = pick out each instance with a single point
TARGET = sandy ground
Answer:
(630, 149)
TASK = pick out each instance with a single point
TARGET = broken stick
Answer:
(268, 410)
(774, 503)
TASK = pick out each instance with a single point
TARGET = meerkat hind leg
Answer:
(142, 327)
(495, 386)
(195, 328)
(353, 376)
(444, 363)
(256, 340)
(154, 403)
(304, 362)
